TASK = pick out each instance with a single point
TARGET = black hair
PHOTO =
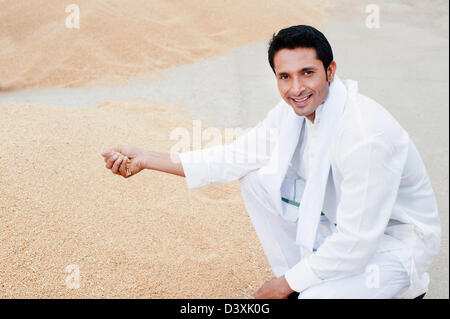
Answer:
(301, 36)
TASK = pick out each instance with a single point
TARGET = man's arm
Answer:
(164, 162)
(139, 159)
(219, 164)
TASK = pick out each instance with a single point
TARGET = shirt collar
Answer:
(316, 117)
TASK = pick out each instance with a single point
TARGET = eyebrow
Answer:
(308, 68)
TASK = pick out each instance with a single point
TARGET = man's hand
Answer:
(277, 288)
(118, 164)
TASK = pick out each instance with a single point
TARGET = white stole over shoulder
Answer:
(314, 194)
(273, 174)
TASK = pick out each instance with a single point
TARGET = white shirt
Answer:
(304, 153)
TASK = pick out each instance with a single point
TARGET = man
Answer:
(341, 200)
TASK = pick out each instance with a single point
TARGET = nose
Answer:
(297, 86)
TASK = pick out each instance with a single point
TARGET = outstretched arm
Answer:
(117, 158)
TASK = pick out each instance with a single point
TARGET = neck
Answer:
(311, 117)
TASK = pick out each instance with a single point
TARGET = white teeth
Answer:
(304, 99)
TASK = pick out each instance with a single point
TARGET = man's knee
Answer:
(384, 277)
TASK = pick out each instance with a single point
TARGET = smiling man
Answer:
(341, 201)
(302, 80)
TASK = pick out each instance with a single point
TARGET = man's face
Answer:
(301, 79)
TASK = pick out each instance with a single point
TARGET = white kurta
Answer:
(378, 192)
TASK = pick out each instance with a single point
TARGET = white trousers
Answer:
(277, 238)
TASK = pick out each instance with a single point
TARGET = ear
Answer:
(331, 71)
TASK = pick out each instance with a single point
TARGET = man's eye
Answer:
(283, 76)
(309, 72)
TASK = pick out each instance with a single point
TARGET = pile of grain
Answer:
(143, 237)
(119, 41)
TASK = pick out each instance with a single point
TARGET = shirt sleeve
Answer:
(229, 162)
(371, 172)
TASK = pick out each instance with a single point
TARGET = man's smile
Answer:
(302, 101)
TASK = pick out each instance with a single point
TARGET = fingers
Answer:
(123, 169)
(116, 165)
(117, 162)
(119, 166)
(110, 161)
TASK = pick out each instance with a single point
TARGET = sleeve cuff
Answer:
(301, 276)
(196, 168)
